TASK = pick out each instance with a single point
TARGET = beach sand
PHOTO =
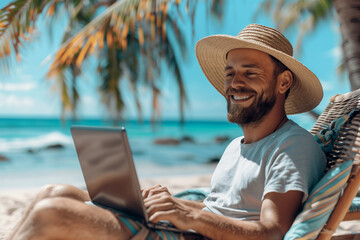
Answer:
(13, 202)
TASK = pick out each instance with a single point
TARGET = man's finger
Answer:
(168, 215)
(146, 191)
(166, 206)
(155, 191)
(155, 199)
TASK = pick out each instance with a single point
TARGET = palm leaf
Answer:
(128, 35)
(113, 26)
(17, 22)
(115, 22)
(304, 13)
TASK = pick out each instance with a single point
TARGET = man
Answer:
(262, 179)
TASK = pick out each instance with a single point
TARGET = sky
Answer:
(27, 93)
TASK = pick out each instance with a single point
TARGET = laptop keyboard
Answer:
(164, 225)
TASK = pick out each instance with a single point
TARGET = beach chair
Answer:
(346, 147)
(330, 201)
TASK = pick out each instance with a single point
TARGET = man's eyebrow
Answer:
(250, 66)
(228, 67)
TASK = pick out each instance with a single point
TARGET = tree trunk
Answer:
(348, 12)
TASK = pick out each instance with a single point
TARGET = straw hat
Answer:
(305, 91)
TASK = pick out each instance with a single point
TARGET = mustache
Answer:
(232, 91)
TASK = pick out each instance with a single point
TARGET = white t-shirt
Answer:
(288, 159)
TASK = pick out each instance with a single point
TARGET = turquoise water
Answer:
(31, 163)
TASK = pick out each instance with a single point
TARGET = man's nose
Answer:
(238, 81)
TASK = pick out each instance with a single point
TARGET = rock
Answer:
(214, 160)
(173, 141)
(55, 146)
(187, 139)
(3, 158)
(51, 146)
(222, 139)
(30, 150)
(166, 141)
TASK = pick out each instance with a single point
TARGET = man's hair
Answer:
(280, 68)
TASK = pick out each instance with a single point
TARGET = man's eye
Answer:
(250, 74)
(229, 74)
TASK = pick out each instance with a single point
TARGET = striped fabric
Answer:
(135, 227)
(194, 194)
(320, 203)
(326, 137)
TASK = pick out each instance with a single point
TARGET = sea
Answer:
(38, 151)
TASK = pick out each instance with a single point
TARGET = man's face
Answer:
(249, 85)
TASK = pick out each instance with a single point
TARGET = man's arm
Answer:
(278, 211)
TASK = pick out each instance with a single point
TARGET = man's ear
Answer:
(285, 80)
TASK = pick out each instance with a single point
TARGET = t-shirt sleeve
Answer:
(297, 164)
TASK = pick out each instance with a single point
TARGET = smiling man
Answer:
(251, 89)
(263, 177)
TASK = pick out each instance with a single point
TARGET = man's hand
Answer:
(161, 205)
(151, 191)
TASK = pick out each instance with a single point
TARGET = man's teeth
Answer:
(241, 97)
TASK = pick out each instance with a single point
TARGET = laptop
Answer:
(109, 172)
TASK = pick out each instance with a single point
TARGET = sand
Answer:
(13, 202)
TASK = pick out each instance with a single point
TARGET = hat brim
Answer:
(305, 92)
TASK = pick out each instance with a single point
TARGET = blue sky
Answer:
(26, 92)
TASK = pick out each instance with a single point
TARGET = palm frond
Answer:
(264, 6)
(73, 13)
(131, 39)
(216, 8)
(113, 29)
(305, 13)
(104, 27)
(17, 23)
(173, 64)
(65, 84)
(111, 72)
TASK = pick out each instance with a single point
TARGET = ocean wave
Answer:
(35, 143)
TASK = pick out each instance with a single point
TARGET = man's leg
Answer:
(51, 191)
(68, 218)
(58, 211)
(47, 204)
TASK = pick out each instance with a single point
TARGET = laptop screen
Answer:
(108, 168)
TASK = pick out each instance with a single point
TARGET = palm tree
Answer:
(130, 39)
(306, 15)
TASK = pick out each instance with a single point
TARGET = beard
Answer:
(253, 113)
